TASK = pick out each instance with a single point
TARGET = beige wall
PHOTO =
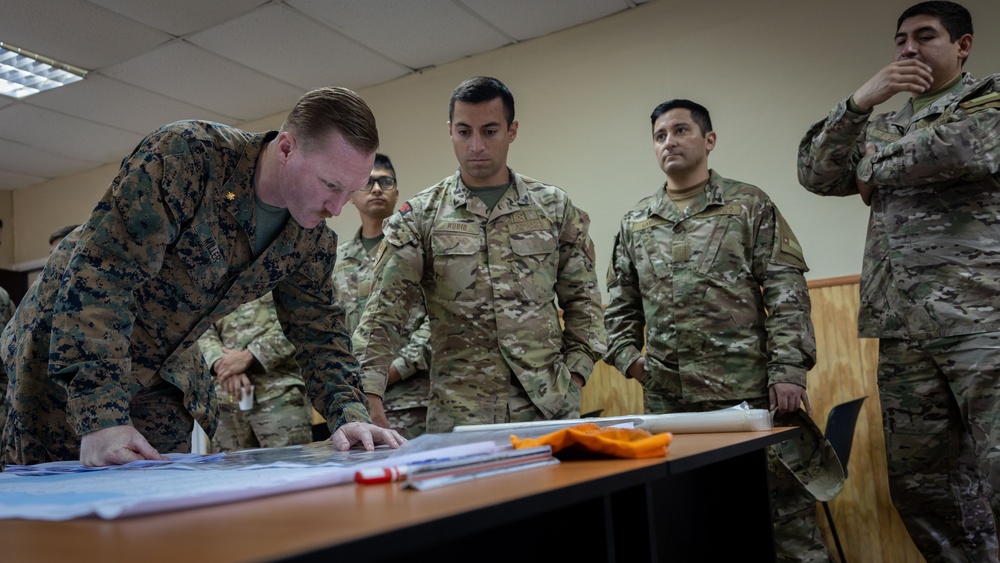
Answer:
(766, 69)
(7, 214)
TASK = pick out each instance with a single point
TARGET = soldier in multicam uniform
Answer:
(405, 401)
(491, 251)
(195, 224)
(930, 285)
(247, 347)
(711, 270)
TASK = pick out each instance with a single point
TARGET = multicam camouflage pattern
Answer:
(280, 415)
(930, 290)
(932, 257)
(698, 282)
(490, 281)
(285, 420)
(6, 312)
(167, 252)
(934, 463)
(405, 402)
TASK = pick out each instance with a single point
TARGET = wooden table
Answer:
(708, 501)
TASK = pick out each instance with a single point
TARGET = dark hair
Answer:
(954, 17)
(61, 232)
(382, 161)
(323, 110)
(479, 89)
(699, 113)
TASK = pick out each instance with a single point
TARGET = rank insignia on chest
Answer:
(230, 196)
(681, 251)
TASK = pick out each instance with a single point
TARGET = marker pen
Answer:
(377, 475)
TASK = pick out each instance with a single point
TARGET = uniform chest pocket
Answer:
(457, 265)
(725, 255)
(534, 261)
(656, 254)
(202, 254)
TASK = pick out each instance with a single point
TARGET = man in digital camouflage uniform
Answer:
(201, 218)
(709, 268)
(408, 385)
(930, 284)
(491, 251)
(248, 348)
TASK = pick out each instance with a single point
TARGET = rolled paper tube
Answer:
(735, 419)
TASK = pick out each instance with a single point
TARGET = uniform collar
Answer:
(509, 203)
(712, 195)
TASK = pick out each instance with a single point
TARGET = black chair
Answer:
(840, 433)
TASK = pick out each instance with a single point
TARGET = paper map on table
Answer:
(125, 491)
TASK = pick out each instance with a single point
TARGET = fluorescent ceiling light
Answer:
(23, 73)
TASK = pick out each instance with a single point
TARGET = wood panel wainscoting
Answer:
(866, 521)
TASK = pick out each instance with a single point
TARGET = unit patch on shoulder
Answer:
(405, 208)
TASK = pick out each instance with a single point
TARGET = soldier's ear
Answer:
(710, 141)
(285, 144)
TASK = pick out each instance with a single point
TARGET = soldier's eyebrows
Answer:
(919, 30)
(490, 124)
(674, 125)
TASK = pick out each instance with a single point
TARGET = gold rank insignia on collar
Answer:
(230, 196)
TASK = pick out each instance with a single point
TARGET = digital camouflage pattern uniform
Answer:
(6, 312)
(405, 403)
(281, 415)
(719, 290)
(930, 290)
(167, 252)
(490, 282)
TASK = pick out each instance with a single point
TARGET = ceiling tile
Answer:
(65, 135)
(311, 54)
(526, 19)
(76, 32)
(130, 108)
(222, 85)
(30, 161)
(180, 17)
(15, 181)
(415, 34)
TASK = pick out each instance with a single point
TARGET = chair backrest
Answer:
(840, 428)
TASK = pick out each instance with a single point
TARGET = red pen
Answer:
(377, 475)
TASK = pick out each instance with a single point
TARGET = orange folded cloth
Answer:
(586, 440)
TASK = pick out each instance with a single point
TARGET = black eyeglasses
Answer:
(386, 183)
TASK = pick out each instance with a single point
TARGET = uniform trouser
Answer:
(285, 420)
(941, 419)
(796, 536)
(410, 422)
(44, 434)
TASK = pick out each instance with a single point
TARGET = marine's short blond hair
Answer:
(323, 110)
